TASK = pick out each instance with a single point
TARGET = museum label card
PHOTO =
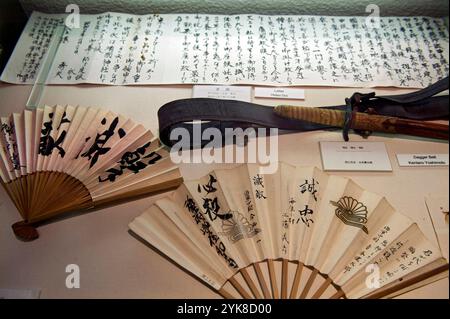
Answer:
(223, 92)
(280, 93)
(355, 156)
(422, 159)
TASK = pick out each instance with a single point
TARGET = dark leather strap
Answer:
(417, 96)
(221, 114)
(419, 105)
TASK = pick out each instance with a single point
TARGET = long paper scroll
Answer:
(120, 49)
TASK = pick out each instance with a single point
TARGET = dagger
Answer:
(364, 121)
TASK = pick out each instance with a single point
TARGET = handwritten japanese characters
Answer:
(295, 221)
(59, 159)
(56, 137)
(119, 49)
(259, 187)
(47, 143)
(394, 258)
(300, 208)
(10, 147)
(98, 146)
(310, 187)
(39, 33)
(134, 161)
(206, 230)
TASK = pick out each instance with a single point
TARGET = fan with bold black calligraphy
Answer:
(60, 159)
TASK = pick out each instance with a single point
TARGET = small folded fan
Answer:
(241, 231)
(60, 159)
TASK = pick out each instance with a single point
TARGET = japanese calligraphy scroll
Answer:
(120, 49)
(231, 227)
(59, 159)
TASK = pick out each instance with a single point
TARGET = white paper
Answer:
(223, 92)
(280, 93)
(422, 159)
(355, 156)
(438, 209)
(120, 49)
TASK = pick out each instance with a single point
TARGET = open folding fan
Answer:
(297, 233)
(60, 159)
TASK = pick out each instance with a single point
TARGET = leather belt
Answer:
(221, 114)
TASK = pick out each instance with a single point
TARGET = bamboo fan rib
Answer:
(297, 233)
(59, 159)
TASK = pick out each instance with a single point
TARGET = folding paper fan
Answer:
(60, 159)
(297, 233)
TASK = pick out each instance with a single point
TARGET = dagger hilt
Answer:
(364, 121)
